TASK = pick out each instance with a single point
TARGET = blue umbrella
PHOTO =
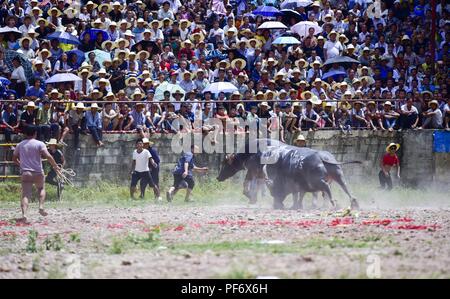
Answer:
(93, 33)
(4, 81)
(64, 37)
(265, 11)
(292, 4)
(100, 56)
(334, 74)
(80, 55)
(286, 40)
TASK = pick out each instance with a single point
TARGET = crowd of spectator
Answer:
(77, 67)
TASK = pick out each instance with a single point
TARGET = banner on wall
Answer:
(441, 142)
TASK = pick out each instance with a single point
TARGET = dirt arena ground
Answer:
(149, 240)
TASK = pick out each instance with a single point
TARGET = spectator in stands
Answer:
(432, 117)
(94, 123)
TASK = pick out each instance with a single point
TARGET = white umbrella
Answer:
(302, 28)
(64, 77)
(218, 87)
(295, 3)
(166, 86)
(272, 25)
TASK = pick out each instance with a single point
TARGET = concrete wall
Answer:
(420, 166)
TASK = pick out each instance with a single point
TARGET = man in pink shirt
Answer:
(28, 155)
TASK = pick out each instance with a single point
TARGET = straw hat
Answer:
(54, 9)
(79, 106)
(344, 37)
(275, 62)
(106, 42)
(191, 75)
(145, 140)
(387, 103)
(117, 3)
(147, 80)
(242, 61)
(257, 42)
(199, 71)
(87, 66)
(218, 64)
(120, 40)
(37, 9)
(85, 71)
(103, 80)
(231, 30)
(138, 92)
(110, 94)
(185, 43)
(32, 31)
(368, 79)
(300, 138)
(317, 80)
(306, 92)
(129, 80)
(29, 39)
(108, 7)
(42, 20)
(55, 91)
(200, 36)
(260, 94)
(273, 93)
(435, 102)
(182, 21)
(98, 92)
(156, 22)
(94, 105)
(316, 62)
(236, 93)
(396, 145)
(30, 104)
(315, 100)
(303, 62)
(331, 33)
(129, 33)
(52, 141)
(121, 22)
(265, 104)
(91, 3)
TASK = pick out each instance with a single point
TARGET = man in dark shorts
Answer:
(389, 160)
(140, 170)
(154, 171)
(28, 155)
(182, 174)
(59, 159)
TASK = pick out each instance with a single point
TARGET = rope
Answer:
(65, 175)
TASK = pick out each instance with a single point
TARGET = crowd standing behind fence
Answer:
(362, 64)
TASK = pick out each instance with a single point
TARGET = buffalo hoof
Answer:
(354, 204)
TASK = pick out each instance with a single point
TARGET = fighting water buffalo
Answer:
(289, 170)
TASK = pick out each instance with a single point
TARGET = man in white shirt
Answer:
(409, 115)
(140, 169)
(332, 46)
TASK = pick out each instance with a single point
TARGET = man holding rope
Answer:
(28, 156)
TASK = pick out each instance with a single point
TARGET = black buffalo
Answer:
(291, 170)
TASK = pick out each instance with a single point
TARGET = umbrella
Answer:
(166, 86)
(334, 74)
(4, 81)
(64, 37)
(100, 56)
(302, 28)
(146, 45)
(265, 11)
(93, 33)
(24, 61)
(78, 53)
(218, 87)
(286, 40)
(288, 14)
(65, 77)
(8, 30)
(340, 60)
(295, 3)
(272, 25)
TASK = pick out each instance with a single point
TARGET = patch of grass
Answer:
(238, 273)
(54, 243)
(74, 238)
(132, 241)
(31, 246)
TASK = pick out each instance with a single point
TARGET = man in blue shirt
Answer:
(8, 118)
(182, 174)
(35, 92)
(94, 124)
